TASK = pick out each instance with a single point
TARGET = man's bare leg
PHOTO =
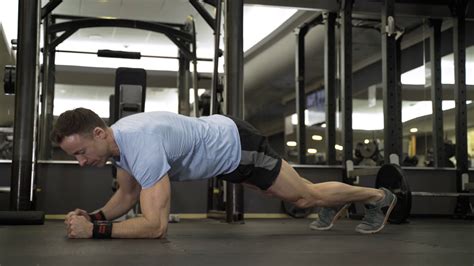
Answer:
(289, 186)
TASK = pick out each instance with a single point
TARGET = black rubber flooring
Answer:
(257, 242)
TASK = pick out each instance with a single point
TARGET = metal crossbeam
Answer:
(441, 194)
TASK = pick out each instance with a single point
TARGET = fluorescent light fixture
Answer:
(413, 130)
(317, 137)
(312, 151)
(366, 141)
(291, 143)
(338, 147)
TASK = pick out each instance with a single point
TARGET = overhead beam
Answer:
(415, 8)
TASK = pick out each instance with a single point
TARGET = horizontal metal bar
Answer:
(440, 194)
(404, 8)
(148, 56)
(4, 189)
(72, 17)
(363, 172)
(120, 23)
(119, 54)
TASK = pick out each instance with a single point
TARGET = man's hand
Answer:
(79, 227)
(77, 212)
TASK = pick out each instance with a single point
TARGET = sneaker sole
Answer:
(392, 205)
(338, 214)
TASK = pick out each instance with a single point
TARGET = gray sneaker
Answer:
(374, 219)
(327, 216)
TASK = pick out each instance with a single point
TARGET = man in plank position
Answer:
(152, 149)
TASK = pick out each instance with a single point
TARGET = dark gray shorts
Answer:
(259, 163)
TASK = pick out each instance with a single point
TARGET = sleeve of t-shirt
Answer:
(150, 162)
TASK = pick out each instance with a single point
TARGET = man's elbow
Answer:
(157, 231)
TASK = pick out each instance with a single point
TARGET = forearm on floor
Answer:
(139, 227)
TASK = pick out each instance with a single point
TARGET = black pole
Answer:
(300, 92)
(234, 57)
(459, 47)
(213, 184)
(183, 85)
(47, 93)
(391, 90)
(192, 26)
(436, 92)
(23, 162)
(330, 65)
(346, 78)
(215, 72)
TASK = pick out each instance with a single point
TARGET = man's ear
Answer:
(99, 132)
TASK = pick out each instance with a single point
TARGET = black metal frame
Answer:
(234, 58)
(413, 8)
(390, 83)
(49, 7)
(217, 54)
(346, 78)
(459, 51)
(47, 91)
(179, 37)
(26, 108)
(300, 94)
(205, 15)
(330, 72)
(141, 55)
(436, 92)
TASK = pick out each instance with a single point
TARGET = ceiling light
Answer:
(312, 151)
(338, 147)
(317, 137)
(291, 144)
(366, 141)
(413, 130)
(95, 37)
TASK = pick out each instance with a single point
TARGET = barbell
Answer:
(392, 177)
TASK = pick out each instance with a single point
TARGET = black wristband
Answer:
(98, 216)
(102, 230)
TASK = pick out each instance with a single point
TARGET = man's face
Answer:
(89, 150)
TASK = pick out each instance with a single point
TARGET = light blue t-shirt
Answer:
(156, 143)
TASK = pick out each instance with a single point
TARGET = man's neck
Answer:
(114, 148)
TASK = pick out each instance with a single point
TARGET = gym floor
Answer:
(257, 242)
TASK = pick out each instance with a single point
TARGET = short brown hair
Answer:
(78, 121)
